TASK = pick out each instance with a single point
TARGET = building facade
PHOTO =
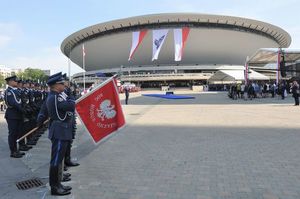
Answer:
(214, 41)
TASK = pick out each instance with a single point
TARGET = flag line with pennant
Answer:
(158, 39)
(180, 37)
(137, 38)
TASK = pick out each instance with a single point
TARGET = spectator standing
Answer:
(282, 90)
(242, 90)
(126, 94)
(295, 92)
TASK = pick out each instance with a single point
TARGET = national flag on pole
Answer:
(100, 110)
(158, 39)
(278, 67)
(83, 50)
(137, 38)
(180, 37)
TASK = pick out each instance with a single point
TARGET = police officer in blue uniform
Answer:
(69, 95)
(13, 115)
(60, 110)
(22, 145)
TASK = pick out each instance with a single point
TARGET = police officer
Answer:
(60, 112)
(13, 115)
(69, 95)
(27, 102)
(22, 145)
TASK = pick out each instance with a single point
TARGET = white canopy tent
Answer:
(265, 56)
(227, 76)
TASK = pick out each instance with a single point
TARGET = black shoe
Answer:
(21, 153)
(67, 188)
(59, 191)
(31, 142)
(66, 179)
(23, 148)
(67, 175)
(65, 168)
(71, 164)
(15, 155)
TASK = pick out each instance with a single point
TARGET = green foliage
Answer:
(2, 81)
(32, 74)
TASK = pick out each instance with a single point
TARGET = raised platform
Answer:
(168, 95)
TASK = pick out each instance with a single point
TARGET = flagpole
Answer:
(278, 67)
(83, 65)
(69, 68)
(246, 71)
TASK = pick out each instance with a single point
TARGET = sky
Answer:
(32, 31)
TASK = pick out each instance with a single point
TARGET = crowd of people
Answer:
(263, 90)
(29, 106)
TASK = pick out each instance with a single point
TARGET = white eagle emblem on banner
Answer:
(106, 110)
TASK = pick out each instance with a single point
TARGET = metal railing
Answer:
(151, 77)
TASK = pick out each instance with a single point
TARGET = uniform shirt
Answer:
(58, 106)
(13, 101)
(60, 110)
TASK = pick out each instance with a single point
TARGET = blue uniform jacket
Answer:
(60, 110)
(43, 114)
(14, 104)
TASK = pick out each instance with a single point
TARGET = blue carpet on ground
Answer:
(169, 96)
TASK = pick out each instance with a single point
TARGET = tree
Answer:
(2, 81)
(32, 74)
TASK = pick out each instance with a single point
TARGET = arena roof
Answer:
(213, 39)
(187, 19)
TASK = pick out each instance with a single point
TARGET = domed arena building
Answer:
(214, 42)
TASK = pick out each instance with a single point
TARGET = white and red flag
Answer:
(158, 39)
(100, 110)
(180, 37)
(137, 38)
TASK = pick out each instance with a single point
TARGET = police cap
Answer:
(11, 78)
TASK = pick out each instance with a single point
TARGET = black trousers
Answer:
(58, 152)
(282, 95)
(68, 151)
(32, 124)
(14, 129)
(26, 127)
(296, 100)
(126, 99)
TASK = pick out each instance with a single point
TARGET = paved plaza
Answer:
(210, 147)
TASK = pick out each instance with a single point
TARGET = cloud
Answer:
(48, 58)
(4, 40)
(9, 32)
(295, 34)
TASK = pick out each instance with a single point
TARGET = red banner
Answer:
(100, 110)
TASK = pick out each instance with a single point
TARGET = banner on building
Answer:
(137, 38)
(180, 37)
(158, 39)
